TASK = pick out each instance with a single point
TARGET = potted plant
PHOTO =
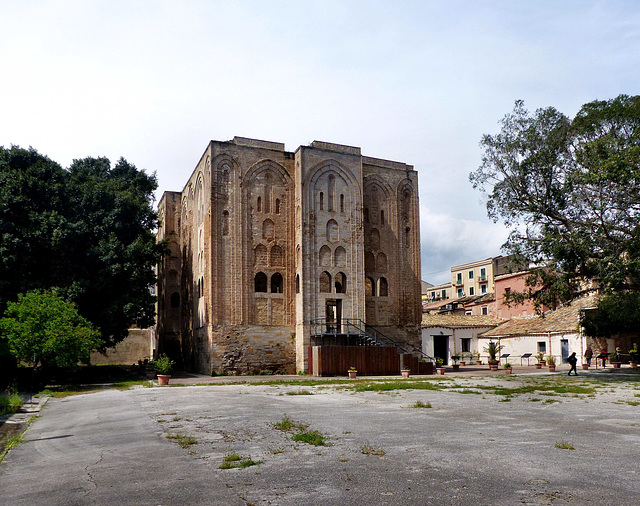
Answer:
(551, 362)
(616, 359)
(507, 368)
(493, 349)
(405, 372)
(476, 353)
(634, 355)
(455, 365)
(540, 358)
(463, 362)
(163, 365)
(440, 366)
(352, 372)
(150, 369)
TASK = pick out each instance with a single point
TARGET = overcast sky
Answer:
(412, 81)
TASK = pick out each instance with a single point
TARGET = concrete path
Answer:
(111, 447)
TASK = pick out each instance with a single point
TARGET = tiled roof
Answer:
(564, 319)
(459, 320)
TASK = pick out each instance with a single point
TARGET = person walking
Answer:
(573, 361)
(588, 354)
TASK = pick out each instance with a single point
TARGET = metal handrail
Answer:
(367, 334)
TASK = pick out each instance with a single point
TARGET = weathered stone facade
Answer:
(263, 242)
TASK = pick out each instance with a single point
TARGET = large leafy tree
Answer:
(569, 189)
(86, 230)
(41, 328)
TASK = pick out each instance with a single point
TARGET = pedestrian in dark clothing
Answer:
(573, 361)
(588, 354)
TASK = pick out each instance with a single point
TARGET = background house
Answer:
(444, 335)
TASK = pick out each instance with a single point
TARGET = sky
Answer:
(418, 82)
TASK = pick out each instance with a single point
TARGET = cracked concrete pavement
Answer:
(111, 447)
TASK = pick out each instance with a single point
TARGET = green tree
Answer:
(569, 189)
(87, 230)
(41, 328)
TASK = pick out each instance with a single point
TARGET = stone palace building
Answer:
(266, 245)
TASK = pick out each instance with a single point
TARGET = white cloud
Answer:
(447, 241)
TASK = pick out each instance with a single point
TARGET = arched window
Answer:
(261, 282)
(382, 217)
(340, 257)
(276, 283)
(325, 282)
(277, 206)
(260, 255)
(297, 283)
(332, 231)
(369, 262)
(366, 215)
(325, 256)
(268, 230)
(381, 262)
(267, 193)
(175, 299)
(332, 188)
(259, 205)
(342, 203)
(277, 258)
(321, 201)
(375, 239)
(225, 222)
(341, 283)
(369, 286)
(383, 290)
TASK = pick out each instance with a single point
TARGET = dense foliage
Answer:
(569, 189)
(86, 230)
(41, 328)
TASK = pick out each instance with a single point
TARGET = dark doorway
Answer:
(333, 309)
(564, 346)
(441, 348)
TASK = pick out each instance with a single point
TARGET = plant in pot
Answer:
(507, 368)
(616, 359)
(551, 362)
(163, 365)
(455, 365)
(150, 369)
(493, 349)
(540, 359)
(352, 372)
(440, 365)
(476, 354)
(634, 356)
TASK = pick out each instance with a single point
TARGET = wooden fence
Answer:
(368, 360)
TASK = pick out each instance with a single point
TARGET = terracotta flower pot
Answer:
(552, 368)
(616, 365)
(585, 367)
(352, 374)
(478, 362)
(633, 364)
(538, 366)
(508, 370)
(440, 371)
(456, 367)
(463, 363)
(163, 379)
(405, 373)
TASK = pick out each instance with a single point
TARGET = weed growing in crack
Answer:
(312, 437)
(564, 445)
(234, 461)
(183, 440)
(420, 404)
(370, 450)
